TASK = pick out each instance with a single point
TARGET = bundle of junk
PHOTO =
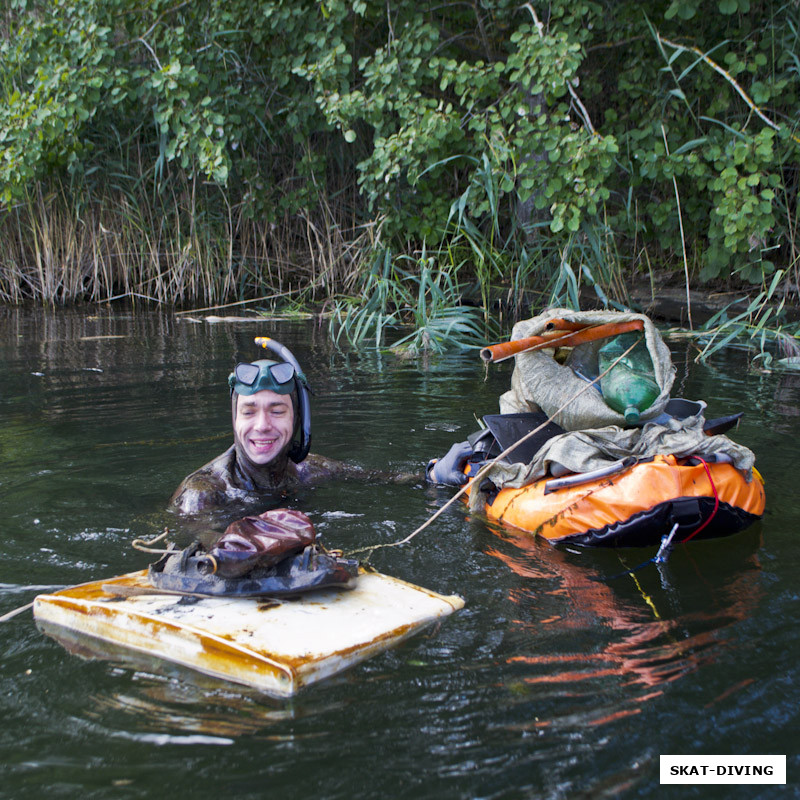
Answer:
(590, 448)
(276, 553)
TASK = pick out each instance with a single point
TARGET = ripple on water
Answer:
(550, 683)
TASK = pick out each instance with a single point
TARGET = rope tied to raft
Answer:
(15, 612)
(145, 545)
(716, 501)
(475, 481)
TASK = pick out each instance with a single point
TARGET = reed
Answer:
(182, 244)
(763, 328)
(421, 301)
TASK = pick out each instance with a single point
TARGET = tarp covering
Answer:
(539, 383)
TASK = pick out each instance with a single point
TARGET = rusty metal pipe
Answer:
(504, 350)
(559, 324)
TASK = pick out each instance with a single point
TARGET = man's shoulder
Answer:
(205, 487)
(198, 492)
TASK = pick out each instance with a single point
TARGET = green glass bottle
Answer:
(629, 387)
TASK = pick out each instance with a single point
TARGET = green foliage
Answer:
(190, 85)
(439, 318)
(376, 310)
(509, 144)
(717, 115)
(428, 299)
(441, 118)
(744, 214)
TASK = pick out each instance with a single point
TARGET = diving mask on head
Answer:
(281, 377)
(277, 376)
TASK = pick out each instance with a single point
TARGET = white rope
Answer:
(144, 545)
(489, 464)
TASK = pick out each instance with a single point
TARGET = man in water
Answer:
(271, 437)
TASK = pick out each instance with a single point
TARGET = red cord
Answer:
(716, 501)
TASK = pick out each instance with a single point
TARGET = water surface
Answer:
(549, 683)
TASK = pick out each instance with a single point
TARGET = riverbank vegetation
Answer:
(400, 161)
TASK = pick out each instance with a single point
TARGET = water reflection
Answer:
(174, 702)
(786, 402)
(637, 632)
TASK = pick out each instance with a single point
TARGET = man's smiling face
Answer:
(264, 425)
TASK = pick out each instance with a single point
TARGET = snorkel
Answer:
(282, 377)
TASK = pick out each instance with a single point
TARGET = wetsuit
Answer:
(231, 477)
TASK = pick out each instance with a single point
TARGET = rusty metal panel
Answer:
(276, 646)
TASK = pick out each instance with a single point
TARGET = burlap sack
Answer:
(540, 383)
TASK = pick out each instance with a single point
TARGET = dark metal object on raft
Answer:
(187, 572)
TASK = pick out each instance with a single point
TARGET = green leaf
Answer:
(760, 92)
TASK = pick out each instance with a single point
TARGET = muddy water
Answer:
(548, 684)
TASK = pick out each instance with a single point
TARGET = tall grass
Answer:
(762, 327)
(427, 298)
(179, 244)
